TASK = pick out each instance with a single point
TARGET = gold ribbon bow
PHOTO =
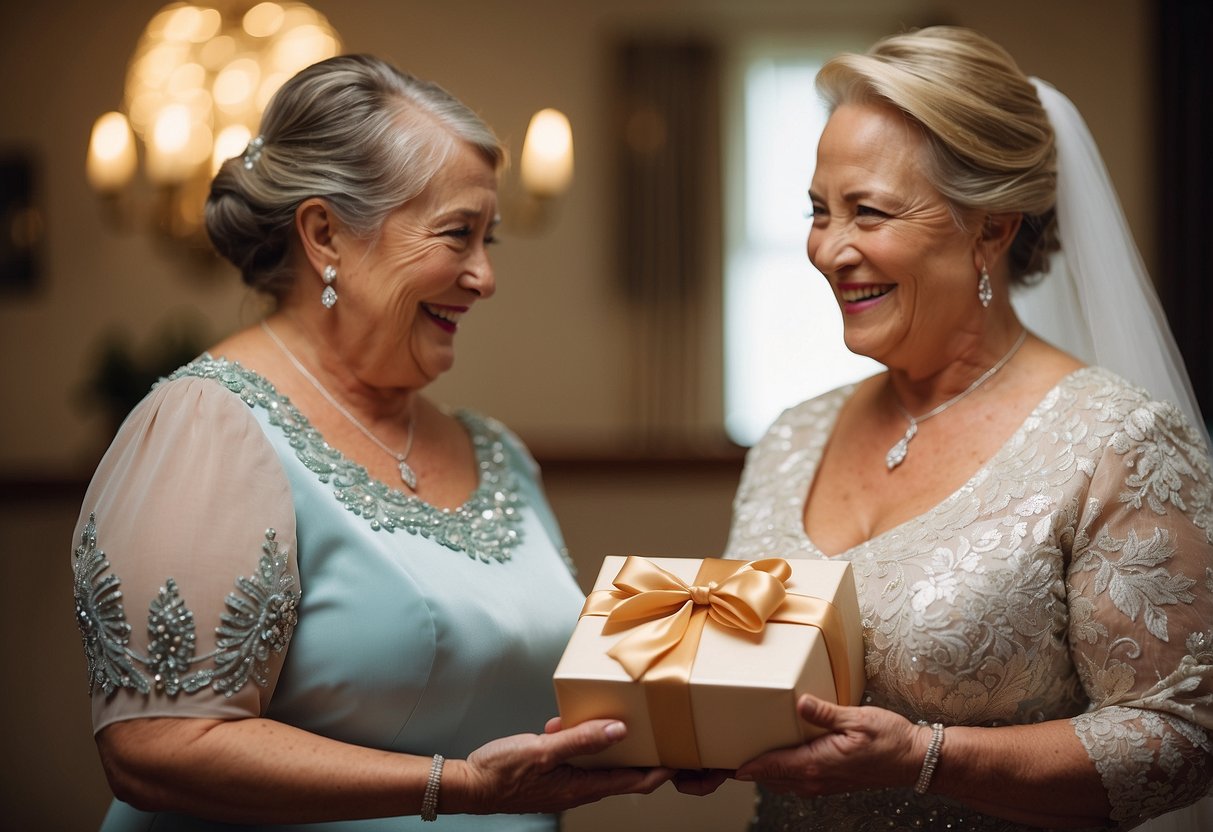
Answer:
(668, 617)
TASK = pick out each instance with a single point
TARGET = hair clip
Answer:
(253, 152)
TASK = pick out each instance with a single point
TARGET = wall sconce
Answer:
(546, 169)
(196, 86)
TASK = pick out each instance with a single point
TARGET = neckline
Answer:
(487, 526)
(967, 486)
(475, 428)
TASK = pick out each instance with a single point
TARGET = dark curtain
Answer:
(668, 128)
(1185, 183)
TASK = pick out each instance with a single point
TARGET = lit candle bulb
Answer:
(111, 154)
(167, 152)
(547, 154)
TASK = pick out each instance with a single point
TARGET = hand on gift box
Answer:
(528, 772)
(864, 748)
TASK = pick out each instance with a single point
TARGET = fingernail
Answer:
(616, 731)
(745, 778)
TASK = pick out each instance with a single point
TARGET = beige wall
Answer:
(548, 356)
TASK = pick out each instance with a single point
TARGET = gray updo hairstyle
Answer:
(990, 143)
(352, 129)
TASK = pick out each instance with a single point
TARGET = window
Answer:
(783, 330)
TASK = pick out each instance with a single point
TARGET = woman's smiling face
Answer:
(426, 268)
(904, 273)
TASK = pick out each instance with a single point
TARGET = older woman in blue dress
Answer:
(308, 593)
(1032, 535)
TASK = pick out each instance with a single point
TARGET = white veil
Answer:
(1097, 301)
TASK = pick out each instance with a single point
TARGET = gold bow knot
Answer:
(658, 606)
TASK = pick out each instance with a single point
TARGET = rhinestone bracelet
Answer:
(931, 760)
(429, 800)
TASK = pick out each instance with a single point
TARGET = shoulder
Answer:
(816, 413)
(203, 398)
(1127, 413)
(194, 429)
(221, 379)
(1149, 453)
(487, 432)
(800, 432)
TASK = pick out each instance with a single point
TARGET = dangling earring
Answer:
(985, 293)
(329, 296)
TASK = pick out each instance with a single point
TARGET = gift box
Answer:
(704, 660)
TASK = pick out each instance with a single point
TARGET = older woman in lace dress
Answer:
(1031, 535)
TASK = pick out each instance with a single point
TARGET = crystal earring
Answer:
(329, 296)
(985, 293)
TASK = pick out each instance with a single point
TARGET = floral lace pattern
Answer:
(258, 621)
(487, 527)
(881, 810)
(1068, 578)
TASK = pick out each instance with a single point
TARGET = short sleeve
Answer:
(1140, 588)
(185, 577)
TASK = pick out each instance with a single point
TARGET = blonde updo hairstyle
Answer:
(989, 142)
(353, 130)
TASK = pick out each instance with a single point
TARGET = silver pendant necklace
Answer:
(407, 475)
(897, 453)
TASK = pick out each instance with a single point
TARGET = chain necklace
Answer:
(407, 475)
(897, 453)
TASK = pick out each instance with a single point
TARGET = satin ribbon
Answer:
(667, 617)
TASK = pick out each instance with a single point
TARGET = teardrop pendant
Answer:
(897, 453)
(407, 475)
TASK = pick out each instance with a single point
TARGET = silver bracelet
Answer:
(930, 761)
(429, 800)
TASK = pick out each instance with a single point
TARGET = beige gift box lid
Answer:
(743, 687)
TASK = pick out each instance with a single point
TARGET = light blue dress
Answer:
(277, 579)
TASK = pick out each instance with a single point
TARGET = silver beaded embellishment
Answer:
(931, 760)
(329, 296)
(429, 799)
(252, 153)
(257, 622)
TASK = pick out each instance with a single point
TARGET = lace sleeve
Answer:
(185, 578)
(1140, 589)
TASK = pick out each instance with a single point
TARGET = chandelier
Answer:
(196, 86)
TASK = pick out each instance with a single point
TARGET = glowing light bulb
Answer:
(547, 154)
(111, 154)
(167, 151)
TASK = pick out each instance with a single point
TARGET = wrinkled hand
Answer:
(529, 772)
(864, 748)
